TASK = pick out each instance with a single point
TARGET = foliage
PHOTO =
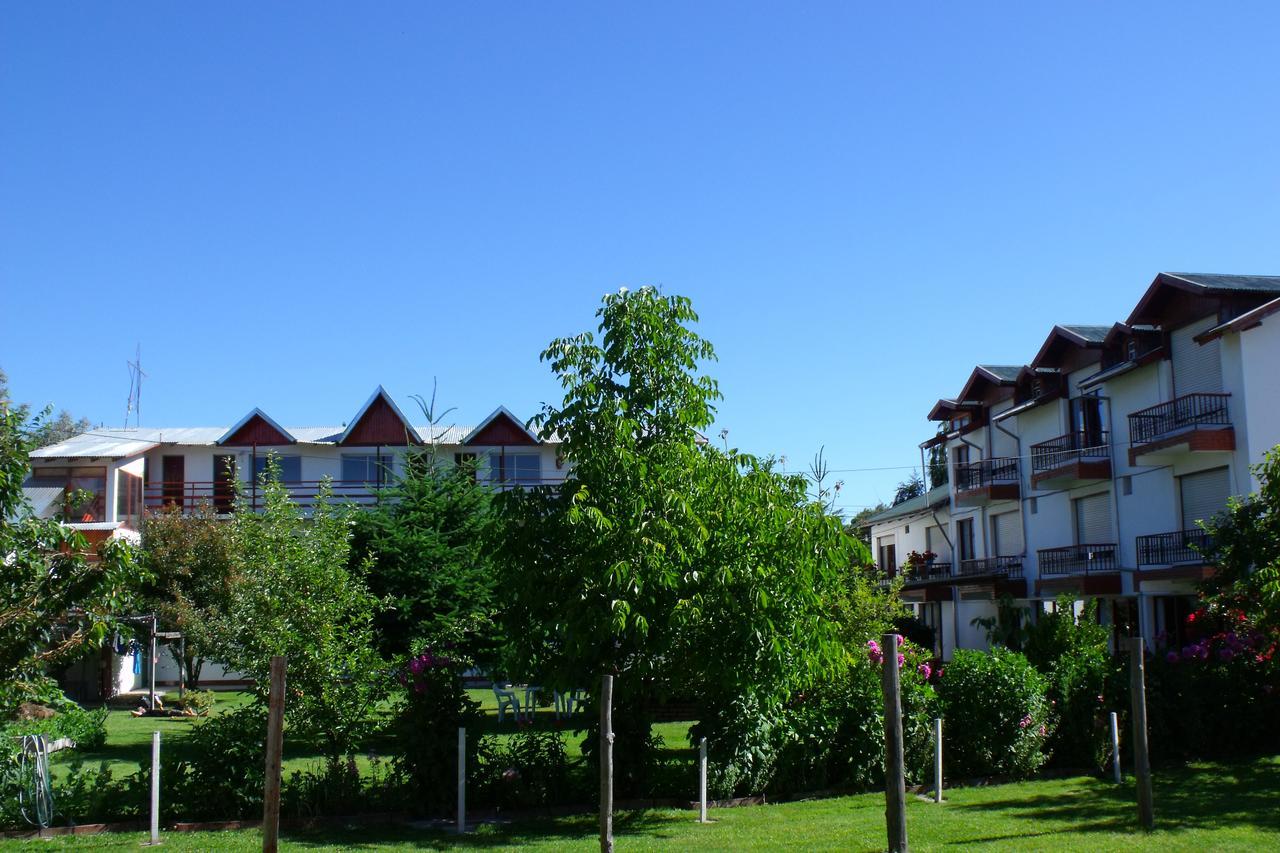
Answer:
(191, 564)
(996, 714)
(677, 565)
(428, 557)
(1071, 652)
(531, 768)
(198, 701)
(219, 772)
(1008, 628)
(912, 487)
(858, 527)
(938, 467)
(88, 728)
(428, 716)
(54, 600)
(339, 788)
(44, 431)
(1246, 552)
(296, 596)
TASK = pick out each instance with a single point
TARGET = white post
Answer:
(462, 779)
(702, 781)
(937, 760)
(155, 787)
(1115, 746)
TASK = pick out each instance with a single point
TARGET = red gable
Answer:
(502, 430)
(379, 424)
(256, 431)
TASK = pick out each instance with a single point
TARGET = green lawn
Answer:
(1202, 807)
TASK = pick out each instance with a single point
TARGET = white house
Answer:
(128, 472)
(1086, 471)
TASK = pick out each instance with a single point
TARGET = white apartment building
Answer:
(1086, 471)
(129, 472)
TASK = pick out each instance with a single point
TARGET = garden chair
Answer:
(506, 699)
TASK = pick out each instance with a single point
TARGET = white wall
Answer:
(1260, 351)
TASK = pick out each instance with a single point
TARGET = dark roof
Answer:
(1002, 372)
(930, 499)
(1091, 334)
(1090, 337)
(1221, 283)
(1201, 284)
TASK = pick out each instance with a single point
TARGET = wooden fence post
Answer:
(702, 780)
(275, 745)
(895, 782)
(1115, 747)
(1141, 759)
(606, 764)
(462, 779)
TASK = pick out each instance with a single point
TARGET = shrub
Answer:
(434, 705)
(995, 712)
(339, 788)
(198, 702)
(220, 769)
(530, 769)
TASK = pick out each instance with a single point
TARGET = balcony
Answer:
(1071, 460)
(923, 573)
(1008, 567)
(1187, 424)
(1181, 547)
(981, 483)
(1079, 560)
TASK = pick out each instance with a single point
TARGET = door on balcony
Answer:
(1093, 520)
(224, 475)
(173, 472)
(1086, 421)
(1006, 534)
(888, 556)
(1197, 368)
(964, 539)
(1203, 495)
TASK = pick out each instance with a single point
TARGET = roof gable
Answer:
(1063, 339)
(1187, 294)
(379, 421)
(256, 429)
(501, 428)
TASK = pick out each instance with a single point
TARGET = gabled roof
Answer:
(1246, 321)
(267, 431)
(1200, 284)
(1084, 337)
(488, 432)
(1004, 375)
(931, 499)
(379, 402)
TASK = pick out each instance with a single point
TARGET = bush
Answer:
(219, 772)
(995, 712)
(434, 705)
(530, 769)
(338, 788)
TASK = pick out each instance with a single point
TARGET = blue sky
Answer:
(863, 200)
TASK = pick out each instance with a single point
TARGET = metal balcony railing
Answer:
(1079, 559)
(921, 572)
(1079, 446)
(977, 475)
(1008, 566)
(1187, 411)
(1168, 549)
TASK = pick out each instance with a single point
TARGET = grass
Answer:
(1200, 807)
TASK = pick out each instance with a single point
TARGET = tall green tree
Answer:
(296, 595)
(55, 601)
(676, 565)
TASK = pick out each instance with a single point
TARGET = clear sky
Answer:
(287, 204)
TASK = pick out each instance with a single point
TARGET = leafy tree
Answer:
(44, 432)
(938, 462)
(54, 600)
(680, 566)
(190, 561)
(429, 560)
(912, 487)
(295, 595)
(858, 527)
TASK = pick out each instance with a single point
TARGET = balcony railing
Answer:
(188, 495)
(921, 572)
(1079, 559)
(988, 472)
(1080, 446)
(1185, 412)
(1008, 566)
(1168, 549)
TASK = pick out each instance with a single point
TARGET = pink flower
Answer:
(1044, 732)
(1024, 722)
(924, 670)
(901, 659)
(416, 666)
(873, 645)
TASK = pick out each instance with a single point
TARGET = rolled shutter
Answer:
(1008, 530)
(1093, 520)
(1204, 495)
(1197, 368)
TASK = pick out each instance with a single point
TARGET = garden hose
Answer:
(35, 790)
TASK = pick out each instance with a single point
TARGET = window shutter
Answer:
(1196, 368)
(1093, 520)
(1007, 527)
(1204, 494)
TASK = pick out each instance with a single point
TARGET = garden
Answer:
(721, 596)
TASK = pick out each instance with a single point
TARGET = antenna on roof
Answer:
(134, 406)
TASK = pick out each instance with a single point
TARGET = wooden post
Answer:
(1141, 759)
(462, 779)
(606, 764)
(155, 787)
(1115, 747)
(275, 745)
(895, 782)
(702, 780)
(937, 760)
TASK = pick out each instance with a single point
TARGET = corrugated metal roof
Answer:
(1005, 372)
(1230, 283)
(44, 500)
(1094, 334)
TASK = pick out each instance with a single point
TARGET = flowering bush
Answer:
(996, 713)
(429, 712)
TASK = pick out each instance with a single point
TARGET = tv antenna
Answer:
(134, 406)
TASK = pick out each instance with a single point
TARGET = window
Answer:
(370, 469)
(964, 538)
(1093, 520)
(521, 468)
(1086, 420)
(929, 614)
(960, 455)
(1203, 495)
(1126, 485)
(1033, 505)
(887, 556)
(290, 468)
